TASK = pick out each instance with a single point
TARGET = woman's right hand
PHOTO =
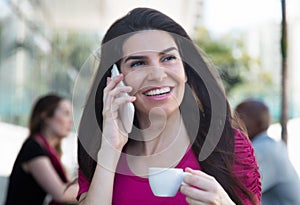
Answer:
(113, 140)
(114, 134)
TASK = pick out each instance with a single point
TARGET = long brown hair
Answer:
(219, 163)
(43, 108)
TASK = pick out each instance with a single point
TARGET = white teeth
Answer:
(158, 91)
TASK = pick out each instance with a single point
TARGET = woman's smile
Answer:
(158, 93)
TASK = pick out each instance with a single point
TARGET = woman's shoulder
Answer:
(242, 143)
(243, 150)
(31, 149)
(31, 143)
(245, 166)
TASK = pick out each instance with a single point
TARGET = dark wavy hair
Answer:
(219, 163)
(43, 108)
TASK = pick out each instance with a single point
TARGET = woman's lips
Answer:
(158, 93)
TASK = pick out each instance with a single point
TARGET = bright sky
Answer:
(224, 15)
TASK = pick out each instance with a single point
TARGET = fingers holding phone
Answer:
(126, 109)
(115, 96)
(118, 111)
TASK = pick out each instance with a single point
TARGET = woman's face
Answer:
(61, 123)
(152, 65)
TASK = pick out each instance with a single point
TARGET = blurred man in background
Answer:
(280, 183)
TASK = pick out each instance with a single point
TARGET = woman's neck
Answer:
(164, 131)
(51, 138)
(161, 146)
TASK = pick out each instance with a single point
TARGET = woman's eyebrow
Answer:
(134, 58)
(167, 50)
(143, 57)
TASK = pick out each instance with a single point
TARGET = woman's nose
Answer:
(156, 73)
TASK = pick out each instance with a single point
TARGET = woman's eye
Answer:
(137, 63)
(169, 58)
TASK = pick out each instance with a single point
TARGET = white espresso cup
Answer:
(165, 182)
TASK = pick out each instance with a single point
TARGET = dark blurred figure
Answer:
(280, 183)
(37, 170)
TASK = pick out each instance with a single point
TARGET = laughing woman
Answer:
(163, 70)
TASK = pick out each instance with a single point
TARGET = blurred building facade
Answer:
(99, 14)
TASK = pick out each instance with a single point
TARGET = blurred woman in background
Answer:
(37, 170)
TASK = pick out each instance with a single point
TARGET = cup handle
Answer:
(185, 174)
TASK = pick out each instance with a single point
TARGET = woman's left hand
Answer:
(202, 188)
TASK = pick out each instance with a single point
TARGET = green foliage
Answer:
(229, 56)
(69, 52)
(242, 75)
(73, 48)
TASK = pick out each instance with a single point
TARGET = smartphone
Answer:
(126, 111)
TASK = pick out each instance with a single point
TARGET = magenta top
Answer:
(131, 189)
